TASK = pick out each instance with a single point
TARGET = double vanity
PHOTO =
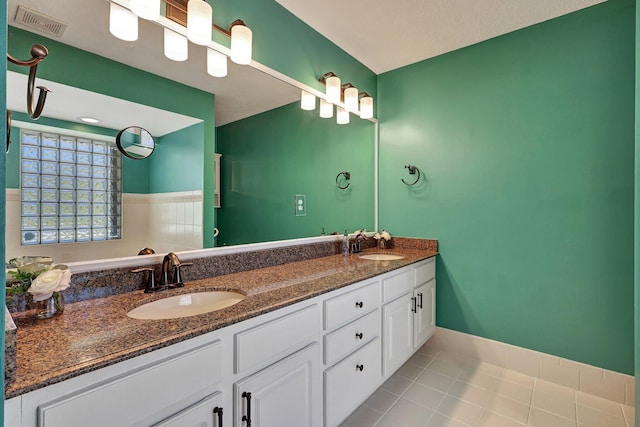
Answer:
(303, 344)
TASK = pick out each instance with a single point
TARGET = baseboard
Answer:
(579, 376)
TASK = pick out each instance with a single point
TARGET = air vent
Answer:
(38, 21)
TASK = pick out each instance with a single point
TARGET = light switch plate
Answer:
(300, 204)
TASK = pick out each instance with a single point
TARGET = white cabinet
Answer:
(206, 413)
(409, 320)
(287, 393)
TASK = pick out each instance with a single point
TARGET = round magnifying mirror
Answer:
(135, 142)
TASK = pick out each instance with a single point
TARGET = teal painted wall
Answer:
(135, 173)
(176, 163)
(526, 144)
(3, 141)
(636, 235)
(102, 75)
(269, 158)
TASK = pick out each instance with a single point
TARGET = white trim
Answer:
(579, 376)
(61, 131)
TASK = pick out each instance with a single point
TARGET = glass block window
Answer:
(71, 189)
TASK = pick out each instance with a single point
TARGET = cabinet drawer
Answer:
(351, 305)
(349, 382)
(397, 285)
(345, 340)
(153, 389)
(260, 344)
(425, 271)
(200, 414)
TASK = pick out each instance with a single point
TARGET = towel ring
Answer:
(412, 171)
(347, 177)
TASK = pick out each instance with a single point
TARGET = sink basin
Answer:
(381, 257)
(186, 305)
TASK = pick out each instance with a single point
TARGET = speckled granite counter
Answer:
(95, 333)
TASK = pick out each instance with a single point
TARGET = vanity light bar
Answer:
(360, 103)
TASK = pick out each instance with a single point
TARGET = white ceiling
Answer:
(387, 34)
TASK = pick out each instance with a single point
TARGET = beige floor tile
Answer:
(516, 378)
(479, 379)
(381, 400)
(405, 412)
(435, 380)
(560, 391)
(491, 419)
(556, 401)
(540, 418)
(459, 410)
(506, 407)
(603, 405)
(470, 393)
(514, 391)
(409, 371)
(363, 417)
(421, 360)
(423, 395)
(439, 420)
(396, 384)
(629, 415)
(446, 366)
(593, 418)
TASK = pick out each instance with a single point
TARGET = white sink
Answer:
(381, 257)
(186, 305)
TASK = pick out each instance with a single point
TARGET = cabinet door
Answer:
(397, 338)
(206, 413)
(287, 393)
(424, 319)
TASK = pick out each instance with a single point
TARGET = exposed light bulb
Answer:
(241, 44)
(199, 22)
(326, 109)
(146, 9)
(366, 107)
(216, 63)
(342, 116)
(333, 90)
(307, 101)
(122, 23)
(176, 46)
(351, 99)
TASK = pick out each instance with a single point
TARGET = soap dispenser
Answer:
(345, 244)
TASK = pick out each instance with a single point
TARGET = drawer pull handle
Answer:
(420, 303)
(413, 305)
(360, 367)
(218, 410)
(247, 418)
(359, 335)
(359, 304)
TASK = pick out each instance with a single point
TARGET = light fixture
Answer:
(216, 63)
(326, 109)
(241, 43)
(350, 98)
(342, 116)
(333, 89)
(366, 106)
(199, 22)
(307, 101)
(176, 46)
(90, 120)
(122, 23)
(146, 9)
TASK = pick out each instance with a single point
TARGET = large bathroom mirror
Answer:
(272, 152)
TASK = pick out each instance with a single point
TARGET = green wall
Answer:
(176, 163)
(3, 141)
(637, 219)
(269, 158)
(526, 144)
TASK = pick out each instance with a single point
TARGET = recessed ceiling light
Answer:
(89, 120)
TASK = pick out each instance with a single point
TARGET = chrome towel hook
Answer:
(412, 171)
(347, 177)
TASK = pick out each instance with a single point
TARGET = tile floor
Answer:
(439, 389)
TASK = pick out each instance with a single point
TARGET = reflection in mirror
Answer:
(135, 142)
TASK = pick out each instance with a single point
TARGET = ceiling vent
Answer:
(42, 23)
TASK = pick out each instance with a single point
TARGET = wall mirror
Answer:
(271, 150)
(135, 142)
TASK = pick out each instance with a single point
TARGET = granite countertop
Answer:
(96, 333)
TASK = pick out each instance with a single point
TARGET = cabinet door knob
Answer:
(218, 410)
(359, 304)
(360, 367)
(247, 418)
(359, 335)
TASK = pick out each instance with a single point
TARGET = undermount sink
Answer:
(186, 305)
(381, 257)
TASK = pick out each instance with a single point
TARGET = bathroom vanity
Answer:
(308, 344)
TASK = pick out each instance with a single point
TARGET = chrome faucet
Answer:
(356, 241)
